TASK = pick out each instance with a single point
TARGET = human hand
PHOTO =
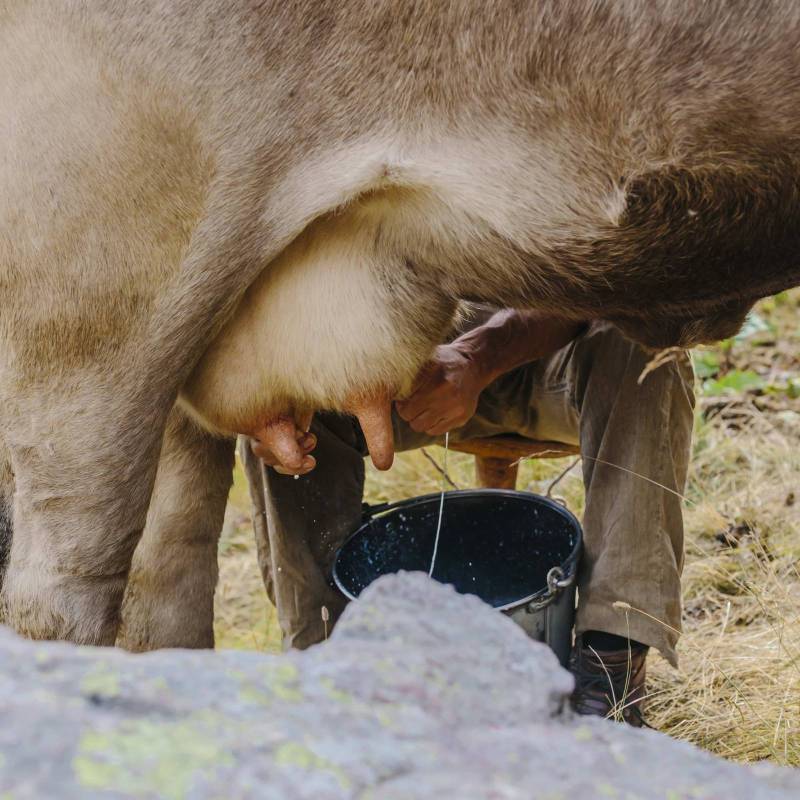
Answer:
(445, 393)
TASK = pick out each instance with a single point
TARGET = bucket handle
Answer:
(556, 583)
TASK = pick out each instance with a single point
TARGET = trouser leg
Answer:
(635, 440)
(300, 525)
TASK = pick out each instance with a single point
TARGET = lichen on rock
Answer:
(419, 693)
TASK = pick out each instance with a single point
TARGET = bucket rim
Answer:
(569, 565)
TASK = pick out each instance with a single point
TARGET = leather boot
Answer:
(609, 683)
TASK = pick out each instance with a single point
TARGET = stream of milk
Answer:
(441, 504)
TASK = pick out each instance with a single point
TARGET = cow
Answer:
(217, 217)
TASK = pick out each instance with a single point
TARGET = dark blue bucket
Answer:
(517, 551)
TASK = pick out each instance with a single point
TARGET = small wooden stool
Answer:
(497, 457)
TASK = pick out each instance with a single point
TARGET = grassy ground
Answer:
(738, 690)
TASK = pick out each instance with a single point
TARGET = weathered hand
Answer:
(445, 394)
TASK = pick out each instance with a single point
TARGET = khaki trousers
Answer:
(587, 394)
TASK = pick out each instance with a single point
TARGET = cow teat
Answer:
(284, 442)
(374, 414)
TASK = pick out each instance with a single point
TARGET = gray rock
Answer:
(420, 693)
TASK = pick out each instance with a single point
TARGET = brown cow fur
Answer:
(634, 161)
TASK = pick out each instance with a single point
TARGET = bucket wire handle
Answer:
(556, 583)
(556, 580)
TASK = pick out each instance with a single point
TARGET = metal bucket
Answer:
(517, 551)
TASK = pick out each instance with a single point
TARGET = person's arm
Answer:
(446, 392)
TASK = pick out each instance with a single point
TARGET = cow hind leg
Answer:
(84, 454)
(169, 600)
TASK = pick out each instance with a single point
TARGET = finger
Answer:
(419, 399)
(424, 376)
(425, 404)
(280, 437)
(307, 442)
(402, 409)
(413, 406)
(440, 428)
(375, 418)
(425, 420)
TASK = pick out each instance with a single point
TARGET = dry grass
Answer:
(243, 616)
(738, 690)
